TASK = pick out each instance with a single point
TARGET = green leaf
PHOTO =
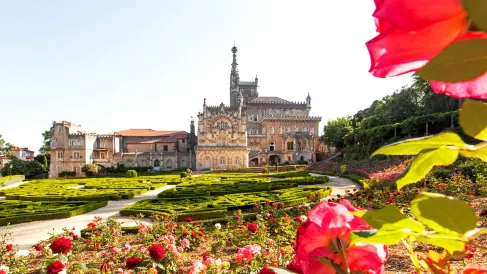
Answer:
(389, 218)
(378, 236)
(480, 153)
(451, 245)
(415, 146)
(424, 162)
(460, 61)
(443, 214)
(472, 234)
(473, 118)
(476, 13)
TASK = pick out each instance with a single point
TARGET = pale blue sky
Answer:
(116, 64)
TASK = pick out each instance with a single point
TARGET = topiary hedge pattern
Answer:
(208, 207)
(14, 212)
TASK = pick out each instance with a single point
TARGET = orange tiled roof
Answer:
(147, 132)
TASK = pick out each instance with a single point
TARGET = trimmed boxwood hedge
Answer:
(93, 189)
(14, 212)
(211, 207)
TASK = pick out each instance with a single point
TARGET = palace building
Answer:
(73, 148)
(255, 130)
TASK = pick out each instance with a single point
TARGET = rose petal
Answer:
(310, 237)
(367, 257)
(476, 88)
(330, 216)
(414, 14)
(398, 51)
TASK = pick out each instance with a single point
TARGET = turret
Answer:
(191, 127)
(308, 101)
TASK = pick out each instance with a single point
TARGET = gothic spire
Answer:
(234, 79)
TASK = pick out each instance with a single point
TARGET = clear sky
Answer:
(116, 64)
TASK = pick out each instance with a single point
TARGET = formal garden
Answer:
(418, 158)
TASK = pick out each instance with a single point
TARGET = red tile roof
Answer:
(148, 132)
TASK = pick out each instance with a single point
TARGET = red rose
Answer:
(185, 233)
(55, 267)
(2, 272)
(193, 235)
(92, 225)
(196, 223)
(252, 227)
(75, 237)
(329, 225)
(9, 247)
(429, 27)
(267, 202)
(39, 247)
(62, 245)
(157, 252)
(237, 218)
(266, 270)
(188, 220)
(200, 234)
(205, 257)
(132, 262)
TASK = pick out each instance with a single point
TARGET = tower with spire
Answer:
(247, 89)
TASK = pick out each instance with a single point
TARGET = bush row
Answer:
(14, 212)
(210, 207)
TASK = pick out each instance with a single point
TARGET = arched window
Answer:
(157, 163)
(143, 163)
(222, 161)
(169, 164)
(290, 145)
(271, 147)
(280, 130)
(271, 131)
(128, 163)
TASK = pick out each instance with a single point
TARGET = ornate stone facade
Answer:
(222, 138)
(261, 129)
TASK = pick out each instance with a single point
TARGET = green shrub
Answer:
(183, 175)
(90, 169)
(131, 173)
(265, 170)
(343, 169)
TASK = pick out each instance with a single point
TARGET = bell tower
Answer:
(234, 79)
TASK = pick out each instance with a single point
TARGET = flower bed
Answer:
(14, 212)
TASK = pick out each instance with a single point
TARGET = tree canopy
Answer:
(404, 113)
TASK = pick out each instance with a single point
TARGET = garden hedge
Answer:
(14, 212)
(211, 207)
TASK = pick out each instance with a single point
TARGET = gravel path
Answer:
(339, 185)
(27, 234)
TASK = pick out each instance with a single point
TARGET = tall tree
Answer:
(335, 130)
(2, 143)
(46, 147)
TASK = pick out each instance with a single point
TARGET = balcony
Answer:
(101, 161)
